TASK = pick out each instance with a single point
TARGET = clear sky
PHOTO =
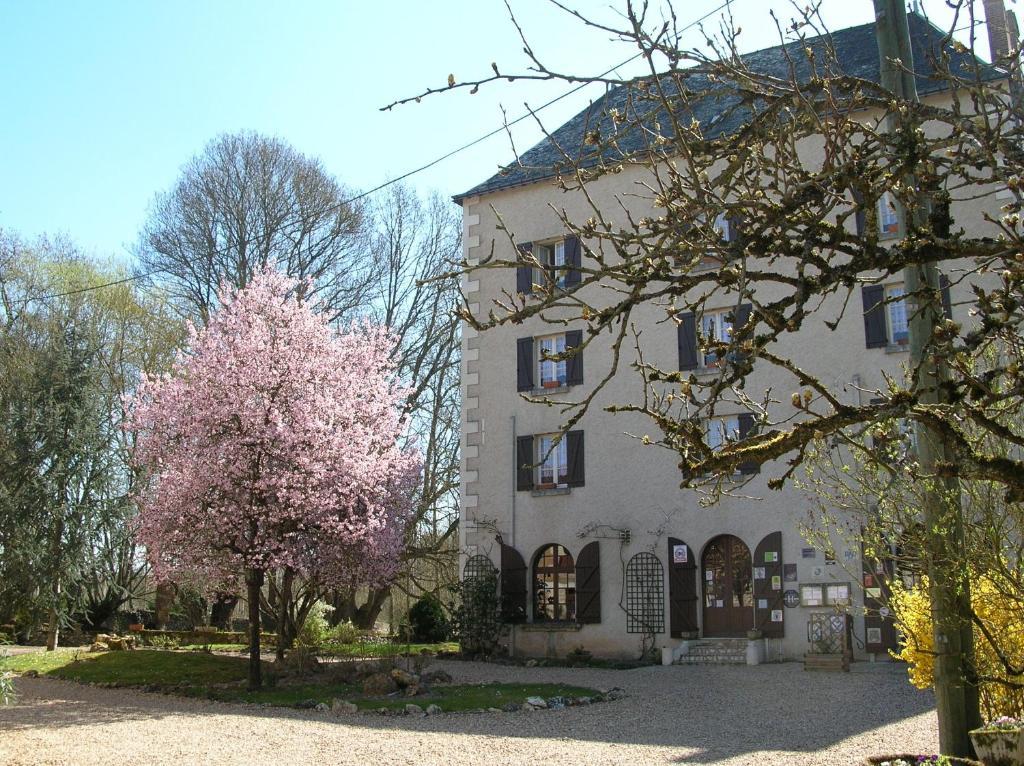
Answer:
(103, 102)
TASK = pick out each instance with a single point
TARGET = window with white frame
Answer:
(722, 430)
(896, 315)
(888, 220)
(553, 463)
(551, 373)
(551, 258)
(716, 327)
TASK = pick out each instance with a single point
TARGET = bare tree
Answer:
(414, 244)
(245, 201)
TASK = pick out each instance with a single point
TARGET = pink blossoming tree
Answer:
(275, 442)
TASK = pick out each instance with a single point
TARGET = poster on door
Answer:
(679, 554)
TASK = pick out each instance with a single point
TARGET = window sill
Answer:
(897, 349)
(550, 627)
(549, 391)
(551, 491)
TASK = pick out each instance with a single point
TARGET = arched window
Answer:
(554, 585)
(645, 594)
(476, 566)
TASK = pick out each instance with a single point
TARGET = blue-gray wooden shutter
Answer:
(588, 584)
(574, 364)
(873, 298)
(860, 215)
(524, 463)
(524, 364)
(572, 261)
(524, 274)
(746, 427)
(763, 590)
(686, 334)
(682, 591)
(513, 585)
(947, 301)
(574, 450)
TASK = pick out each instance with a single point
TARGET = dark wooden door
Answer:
(727, 574)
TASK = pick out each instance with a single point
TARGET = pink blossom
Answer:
(275, 441)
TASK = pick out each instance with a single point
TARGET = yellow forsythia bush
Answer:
(1003, 618)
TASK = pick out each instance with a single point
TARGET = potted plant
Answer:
(1000, 742)
(919, 760)
(551, 384)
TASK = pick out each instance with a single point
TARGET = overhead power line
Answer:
(339, 205)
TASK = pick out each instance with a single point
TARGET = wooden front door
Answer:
(728, 588)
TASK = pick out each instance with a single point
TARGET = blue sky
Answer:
(103, 102)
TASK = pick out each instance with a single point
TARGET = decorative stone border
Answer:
(341, 707)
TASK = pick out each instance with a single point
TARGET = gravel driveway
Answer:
(769, 714)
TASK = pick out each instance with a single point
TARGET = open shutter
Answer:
(947, 301)
(574, 364)
(740, 320)
(524, 463)
(588, 584)
(746, 427)
(682, 588)
(513, 585)
(768, 589)
(572, 261)
(524, 364)
(860, 215)
(687, 339)
(877, 576)
(524, 274)
(873, 297)
(574, 450)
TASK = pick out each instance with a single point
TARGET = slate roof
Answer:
(856, 54)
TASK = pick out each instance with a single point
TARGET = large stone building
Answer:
(597, 546)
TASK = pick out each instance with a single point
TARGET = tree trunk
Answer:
(222, 609)
(254, 583)
(53, 622)
(285, 632)
(363, 617)
(165, 593)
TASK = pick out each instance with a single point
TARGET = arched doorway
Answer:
(728, 587)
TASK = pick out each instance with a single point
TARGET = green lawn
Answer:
(202, 674)
(375, 649)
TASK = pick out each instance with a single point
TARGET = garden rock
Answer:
(434, 710)
(435, 677)
(30, 674)
(343, 707)
(411, 709)
(306, 704)
(537, 702)
(99, 646)
(494, 710)
(414, 689)
(614, 693)
(379, 684)
(322, 707)
(403, 678)
(531, 663)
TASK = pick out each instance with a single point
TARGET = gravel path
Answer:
(673, 715)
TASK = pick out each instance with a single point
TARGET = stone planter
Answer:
(877, 760)
(999, 747)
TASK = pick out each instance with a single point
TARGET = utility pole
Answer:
(956, 693)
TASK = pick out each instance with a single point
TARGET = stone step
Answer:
(715, 651)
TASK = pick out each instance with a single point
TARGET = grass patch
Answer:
(139, 668)
(380, 649)
(198, 674)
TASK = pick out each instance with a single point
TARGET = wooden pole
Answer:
(956, 695)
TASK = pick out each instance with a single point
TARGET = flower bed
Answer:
(920, 760)
(1000, 742)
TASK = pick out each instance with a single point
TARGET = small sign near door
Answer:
(679, 554)
(789, 572)
(791, 599)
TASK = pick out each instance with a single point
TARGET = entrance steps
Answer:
(714, 651)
